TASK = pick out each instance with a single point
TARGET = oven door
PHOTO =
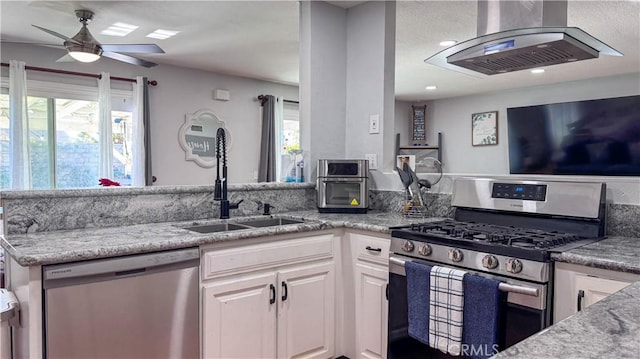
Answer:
(343, 193)
(523, 314)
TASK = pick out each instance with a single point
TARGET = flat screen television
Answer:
(595, 137)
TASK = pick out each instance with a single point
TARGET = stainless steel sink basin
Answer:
(270, 222)
(218, 227)
(240, 224)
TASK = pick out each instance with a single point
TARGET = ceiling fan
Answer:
(85, 48)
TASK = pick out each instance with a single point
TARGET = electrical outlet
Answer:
(255, 175)
(374, 124)
(373, 160)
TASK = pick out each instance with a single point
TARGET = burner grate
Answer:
(496, 235)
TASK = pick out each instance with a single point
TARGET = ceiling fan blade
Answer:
(57, 46)
(129, 59)
(133, 48)
(57, 34)
(66, 58)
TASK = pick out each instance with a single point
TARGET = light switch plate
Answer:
(374, 124)
(222, 95)
(373, 160)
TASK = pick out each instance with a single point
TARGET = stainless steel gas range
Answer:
(505, 230)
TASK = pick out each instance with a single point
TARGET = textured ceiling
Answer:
(259, 39)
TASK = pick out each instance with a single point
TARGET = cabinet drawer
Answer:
(370, 249)
(221, 262)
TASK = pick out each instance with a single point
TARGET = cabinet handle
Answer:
(580, 297)
(285, 292)
(386, 292)
(272, 299)
(369, 248)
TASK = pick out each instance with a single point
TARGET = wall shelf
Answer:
(400, 150)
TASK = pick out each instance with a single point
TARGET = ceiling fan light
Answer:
(84, 56)
(86, 53)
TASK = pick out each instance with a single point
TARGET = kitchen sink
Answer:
(270, 222)
(246, 224)
(218, 227)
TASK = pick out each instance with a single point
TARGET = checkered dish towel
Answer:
(445, 309)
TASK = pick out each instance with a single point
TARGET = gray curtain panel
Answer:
(146, 120)
(267, 165)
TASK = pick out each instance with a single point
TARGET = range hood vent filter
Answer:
(547, 49)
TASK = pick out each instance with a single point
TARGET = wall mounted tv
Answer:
(596, 137)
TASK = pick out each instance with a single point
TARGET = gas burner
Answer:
(489, 234)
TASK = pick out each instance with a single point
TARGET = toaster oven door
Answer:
(343, 193)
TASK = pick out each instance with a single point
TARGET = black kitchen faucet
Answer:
(220, 190)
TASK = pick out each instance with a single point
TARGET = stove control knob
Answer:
(514, 265)
(424, 249)
(407, 246)
(455, 255)
(489, 261)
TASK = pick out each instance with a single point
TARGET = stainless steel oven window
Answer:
(343, 193)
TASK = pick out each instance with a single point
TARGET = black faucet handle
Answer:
(267, 209)
(235, 205)
(217, 190)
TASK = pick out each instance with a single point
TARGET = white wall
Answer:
(180, 91)
(323, 69)
(452, 117)
(370, 80)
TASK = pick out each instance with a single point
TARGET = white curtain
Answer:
(138, 153)
(279, 140)
(105, 128)
(19, 153)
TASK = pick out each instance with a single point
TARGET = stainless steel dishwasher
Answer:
(139, 306)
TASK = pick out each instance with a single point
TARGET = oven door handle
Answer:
(505, 287)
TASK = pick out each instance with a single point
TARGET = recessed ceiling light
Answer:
(448, 43)
(119, 29)
(431, 88)
(162, 34)
(537, 71)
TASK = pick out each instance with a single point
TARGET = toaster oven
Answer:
(343, 186)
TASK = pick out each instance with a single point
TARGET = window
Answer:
(289, 153)
(64, 143)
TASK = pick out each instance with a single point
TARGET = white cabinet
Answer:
(269, 300)
(238, 317)
(580, 286)
(371, 270)
(306, 311)
(592, 289)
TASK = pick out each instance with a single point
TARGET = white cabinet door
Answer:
(306, 311)
(371, 310)
(239, 317)
(370, 277)
(590, 290)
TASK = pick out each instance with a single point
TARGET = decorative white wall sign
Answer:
(197, 137)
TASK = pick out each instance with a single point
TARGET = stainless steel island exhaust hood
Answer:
(520, 35)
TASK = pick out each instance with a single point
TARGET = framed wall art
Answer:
(484, 128)
(418, 126)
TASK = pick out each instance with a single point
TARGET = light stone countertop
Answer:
(41, 248)
(621, 254)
